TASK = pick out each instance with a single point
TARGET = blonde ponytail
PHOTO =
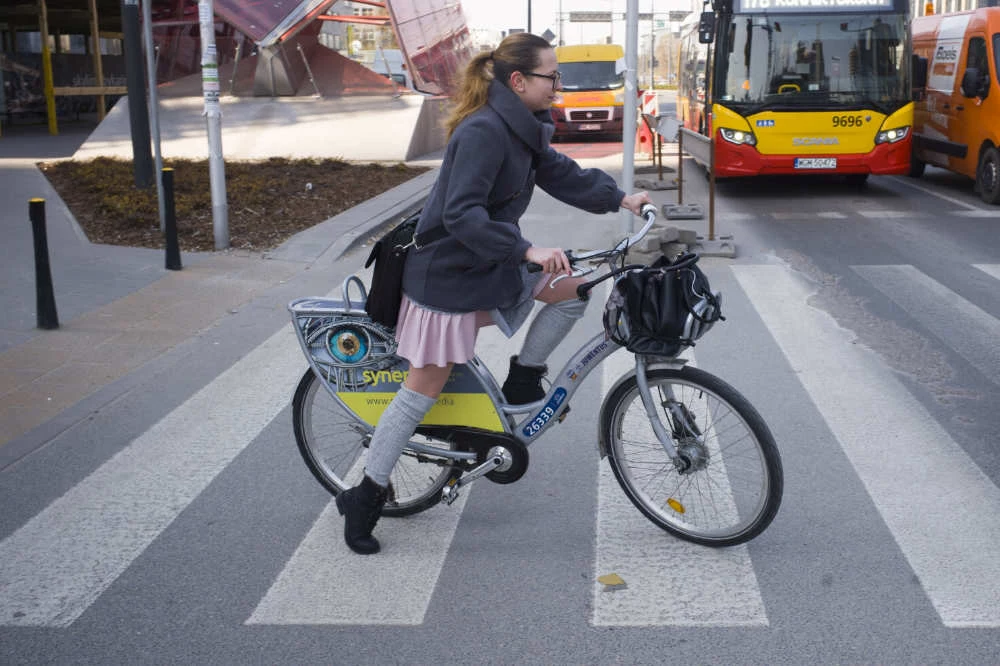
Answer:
(473, 90)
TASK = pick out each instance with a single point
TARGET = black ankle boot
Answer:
(361, 507)
(524, 383)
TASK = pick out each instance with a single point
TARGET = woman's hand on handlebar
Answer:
(634, 202)
(552, 259)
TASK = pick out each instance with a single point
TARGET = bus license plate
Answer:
(589, 126)
(815, 162)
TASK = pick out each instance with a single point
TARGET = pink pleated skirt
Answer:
(429, 337)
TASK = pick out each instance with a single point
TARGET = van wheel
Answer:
(917, 168)
(988, 176)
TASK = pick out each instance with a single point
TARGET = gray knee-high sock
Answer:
(550, 327)
(393, 431)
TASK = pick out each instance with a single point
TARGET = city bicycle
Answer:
(689, 451)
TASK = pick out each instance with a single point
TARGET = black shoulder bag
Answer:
(389, 256)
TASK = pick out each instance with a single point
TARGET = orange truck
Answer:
(957, 96)
(593, 90)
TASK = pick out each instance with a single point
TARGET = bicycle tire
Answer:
(333, 445)
(733, 489)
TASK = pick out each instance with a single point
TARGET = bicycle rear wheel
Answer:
(334, 446)
(729, 488)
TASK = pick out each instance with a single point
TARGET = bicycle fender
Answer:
(660, 363)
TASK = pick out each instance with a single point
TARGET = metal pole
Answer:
(213, 113)
(142, 156)
(529, 15)
(562, 40)
(154, 104)
(50, 95)
(629, 123)
(652, 46)
(680, 165)
(95, 35)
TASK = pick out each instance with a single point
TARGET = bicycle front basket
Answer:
(659, 310)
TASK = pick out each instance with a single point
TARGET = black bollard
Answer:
(170, 222)
(45, 299)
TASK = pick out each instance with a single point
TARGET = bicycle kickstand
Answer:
(498, 458)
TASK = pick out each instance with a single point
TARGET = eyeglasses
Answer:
(554, 78)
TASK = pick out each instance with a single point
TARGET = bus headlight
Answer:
(892, 135)
(738, 137)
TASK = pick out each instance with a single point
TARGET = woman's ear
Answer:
(517, 81)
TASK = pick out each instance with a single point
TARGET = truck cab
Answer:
(957, 96)
(593, 90)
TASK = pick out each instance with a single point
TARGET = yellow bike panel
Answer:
(463, 409)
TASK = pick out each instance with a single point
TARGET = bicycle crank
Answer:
(498, 459)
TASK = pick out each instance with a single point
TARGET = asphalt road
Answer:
(860, 322)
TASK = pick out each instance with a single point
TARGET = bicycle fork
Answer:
(679, 415)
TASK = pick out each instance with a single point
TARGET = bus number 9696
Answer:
(847, 121)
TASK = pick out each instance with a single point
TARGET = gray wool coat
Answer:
(492, 162)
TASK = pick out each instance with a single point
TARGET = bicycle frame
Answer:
(541, 415)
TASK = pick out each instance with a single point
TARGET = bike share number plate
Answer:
(546, 415)
(815, 162)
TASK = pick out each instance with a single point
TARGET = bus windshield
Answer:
(591, 75)
(798, 62)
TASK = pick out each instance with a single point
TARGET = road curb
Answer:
(332, 239)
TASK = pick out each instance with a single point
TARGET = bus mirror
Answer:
(919, 67)
(706, 28)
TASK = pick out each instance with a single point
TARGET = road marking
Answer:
(61, 560)
(324, 583)
(978, 212)
(885, 214)
(967, 329)
(670, 582)
(902, 180)
(993, 270)
(942, 510)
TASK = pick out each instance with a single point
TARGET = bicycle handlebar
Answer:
(647, 213)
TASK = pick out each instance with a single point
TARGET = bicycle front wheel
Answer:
(727, 487)
(334, 446)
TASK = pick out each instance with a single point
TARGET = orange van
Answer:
(957, 96)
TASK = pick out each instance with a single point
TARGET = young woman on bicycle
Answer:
(474, 273)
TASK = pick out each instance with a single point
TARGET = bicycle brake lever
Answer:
(579, 272)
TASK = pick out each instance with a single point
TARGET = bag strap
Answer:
(429, 236)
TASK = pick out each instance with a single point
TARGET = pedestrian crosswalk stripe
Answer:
(668, 582)
(325, 583)
(992, 270)
(961, 325)
(62, 559)
(886, 214)
(992, 214)
(939, 506)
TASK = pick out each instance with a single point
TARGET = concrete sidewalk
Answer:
(118, 307)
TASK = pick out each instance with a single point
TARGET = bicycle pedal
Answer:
(562, 416)
(449, 494)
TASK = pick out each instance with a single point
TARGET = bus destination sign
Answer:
(804, 6)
